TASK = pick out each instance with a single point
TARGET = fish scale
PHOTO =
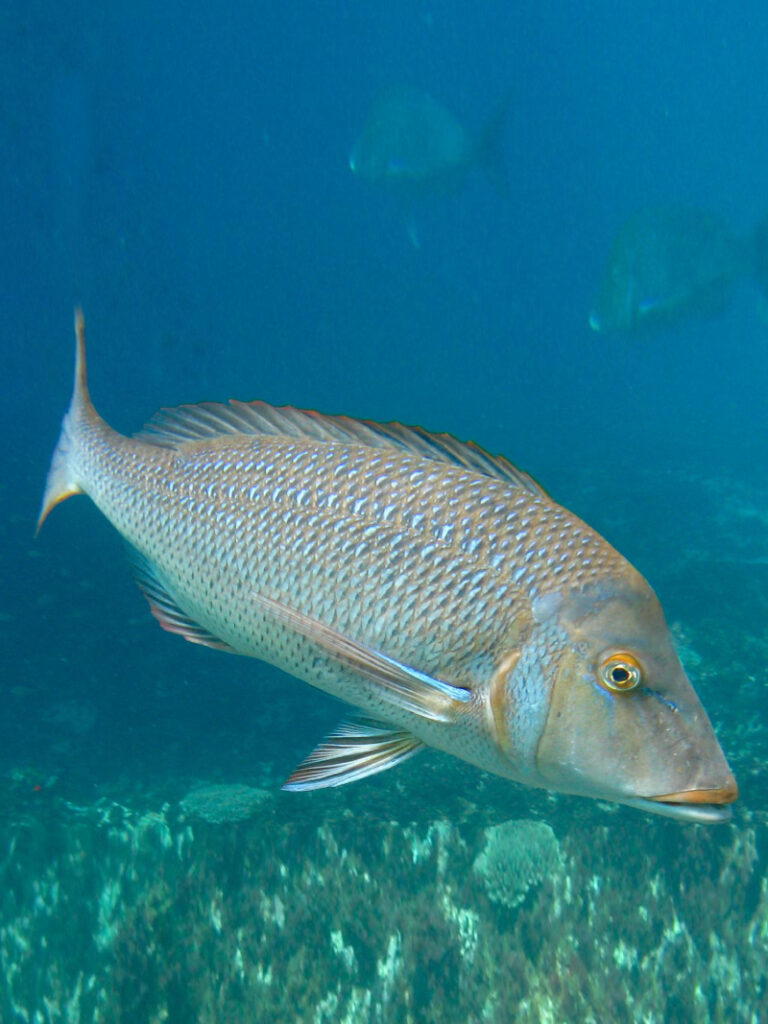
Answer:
(432, 586)
(293, 517)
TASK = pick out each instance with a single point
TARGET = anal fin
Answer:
(357, 748)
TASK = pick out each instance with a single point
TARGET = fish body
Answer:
(412, 145)
(668, 263)
(435, 588)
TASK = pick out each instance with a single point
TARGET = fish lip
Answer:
(722, 795)
(702, 806)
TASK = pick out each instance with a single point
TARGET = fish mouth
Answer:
(706, 806)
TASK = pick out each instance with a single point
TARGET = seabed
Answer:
(112, 913)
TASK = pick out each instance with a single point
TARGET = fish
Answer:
(412, 145)
(433, 586)
(666, 264)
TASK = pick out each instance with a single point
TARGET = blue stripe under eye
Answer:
(664, 700)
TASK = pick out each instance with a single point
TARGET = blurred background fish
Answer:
(412, 144)
(668, 263)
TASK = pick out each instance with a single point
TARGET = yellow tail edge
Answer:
(60, 483)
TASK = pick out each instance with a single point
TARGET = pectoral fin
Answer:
(402, 685)
(166, 611)
(357, 748)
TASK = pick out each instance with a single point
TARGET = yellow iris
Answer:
(620, 672)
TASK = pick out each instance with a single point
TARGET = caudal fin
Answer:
(61, 482)
(490, 148)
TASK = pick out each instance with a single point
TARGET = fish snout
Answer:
(701, 785)
(706, 800)
(701, 806)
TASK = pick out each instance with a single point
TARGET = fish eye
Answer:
(619, 672)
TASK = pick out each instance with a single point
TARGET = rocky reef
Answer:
(325, 913)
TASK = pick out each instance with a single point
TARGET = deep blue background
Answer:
(182, 171)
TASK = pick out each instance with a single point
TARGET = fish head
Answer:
(364, 161)
(384, 150)
(648, 275)
(616, 306)
(667, 263)
(623, 722)
(411, 144)
(378, 166)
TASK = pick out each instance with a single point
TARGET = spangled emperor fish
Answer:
(668, 263)
(434, 587)
(413, 145)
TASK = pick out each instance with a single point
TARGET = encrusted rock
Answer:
(221, 803)
(517, 855)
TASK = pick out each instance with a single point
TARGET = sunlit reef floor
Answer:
(110, 914)
(152, 870)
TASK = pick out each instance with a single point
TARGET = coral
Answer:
(517, 855)
(222, 803)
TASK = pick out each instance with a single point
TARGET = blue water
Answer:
(181, 170)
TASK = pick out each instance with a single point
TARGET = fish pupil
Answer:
(619, 675)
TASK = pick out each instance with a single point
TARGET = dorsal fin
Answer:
(171, 428)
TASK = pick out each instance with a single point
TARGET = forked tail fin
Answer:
(61, 483)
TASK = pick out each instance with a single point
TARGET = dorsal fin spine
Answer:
(171, 428)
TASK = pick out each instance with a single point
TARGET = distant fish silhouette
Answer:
(412, 144)
(668, 263)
